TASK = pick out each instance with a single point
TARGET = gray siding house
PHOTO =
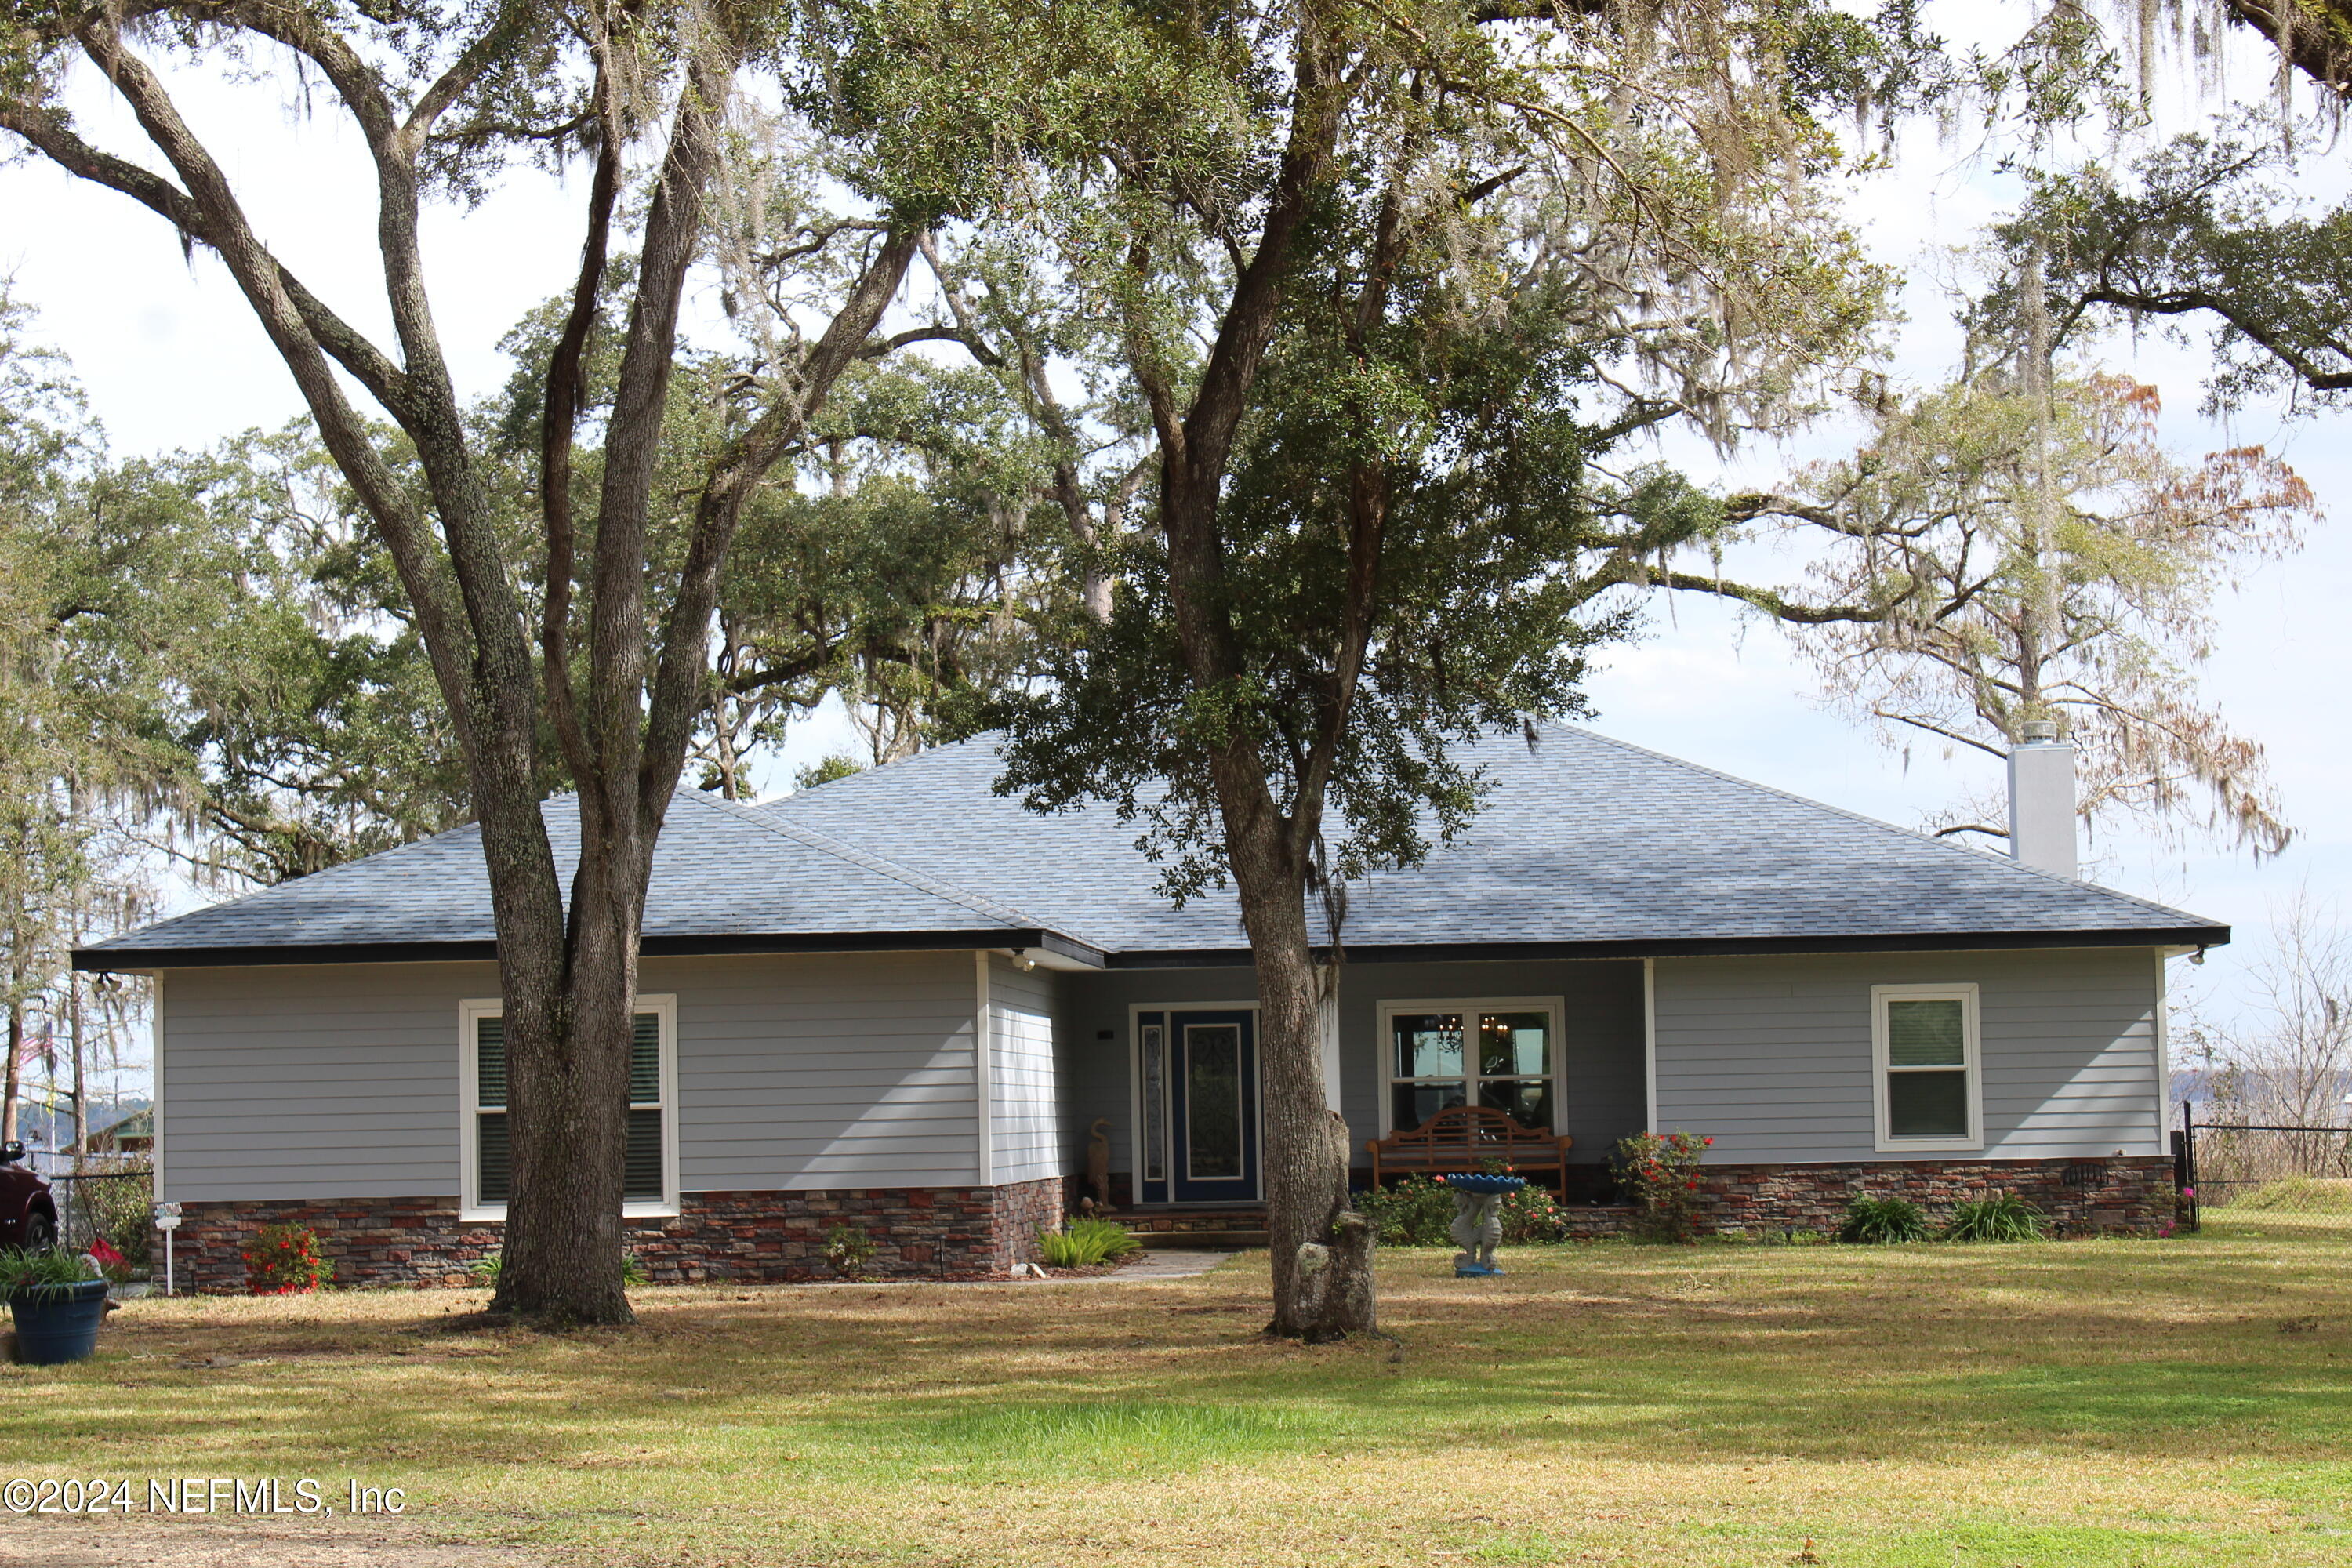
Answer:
(902, 1004)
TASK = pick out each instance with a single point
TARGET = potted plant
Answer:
(56, 1305)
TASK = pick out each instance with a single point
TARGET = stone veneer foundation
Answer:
(918, 1233)
(984, 1233)
(2122, 1194)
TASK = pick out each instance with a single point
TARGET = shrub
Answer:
(1413, 1213)
(1417, 1210)
(120, 1209)
(1532, 1216)
(1084, 1243)
(34, 1275)
(284, 1261)
(2004, 1216)
(848, 1249)
(1882, 1220)
(1661, 1171)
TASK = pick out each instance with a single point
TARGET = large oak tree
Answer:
(1303, 229)
(612, 672)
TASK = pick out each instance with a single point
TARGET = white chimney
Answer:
(2041, 800)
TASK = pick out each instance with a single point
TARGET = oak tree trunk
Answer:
(1321, 1247)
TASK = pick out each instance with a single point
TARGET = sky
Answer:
(171, 358)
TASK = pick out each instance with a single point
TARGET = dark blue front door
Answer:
(1199, 1093)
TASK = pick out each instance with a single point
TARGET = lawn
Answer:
(2076, 1404)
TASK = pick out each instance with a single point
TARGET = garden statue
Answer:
(1478, 1227)
(1099, 1163)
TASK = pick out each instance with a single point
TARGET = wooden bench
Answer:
(1462, 1138)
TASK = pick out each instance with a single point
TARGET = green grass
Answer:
(2089, 1404)
(2303, 1195)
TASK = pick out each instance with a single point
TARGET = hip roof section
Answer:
(1585, 846)
(1582, 843)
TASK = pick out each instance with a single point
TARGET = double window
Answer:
(1503, 1054)
(650, 1175)
(1923, 1040)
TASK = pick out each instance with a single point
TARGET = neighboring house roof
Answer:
(1585, 846)
(132, 1134)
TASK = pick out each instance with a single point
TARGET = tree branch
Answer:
(1951, 735)
(258, 275)
(559, 417)
(50, 137)
(678, 696)
(2188, 301)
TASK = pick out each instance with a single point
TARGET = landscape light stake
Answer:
(167, 1220)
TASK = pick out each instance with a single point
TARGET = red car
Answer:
(28, 1215)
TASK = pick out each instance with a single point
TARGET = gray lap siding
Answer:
(1772, 1057)
(849, 1071)
(341, 1081)
(1029, 1141)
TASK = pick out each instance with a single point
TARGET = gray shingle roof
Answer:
(720, 870)
(1584, 844)
(1583, 841)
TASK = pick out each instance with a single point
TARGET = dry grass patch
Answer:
(2086, 1403)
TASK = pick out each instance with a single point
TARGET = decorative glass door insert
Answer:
(1198, 1101)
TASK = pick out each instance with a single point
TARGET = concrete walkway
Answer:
(1169, 1264)
(1159, 1264)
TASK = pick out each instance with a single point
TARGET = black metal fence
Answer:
(2289, 1175)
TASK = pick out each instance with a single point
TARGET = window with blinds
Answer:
(1926, 1043)
(646, 1165)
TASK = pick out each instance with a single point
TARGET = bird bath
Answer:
(1478, 1227)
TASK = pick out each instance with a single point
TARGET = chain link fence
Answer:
(2292, 1177)
(111, 1198)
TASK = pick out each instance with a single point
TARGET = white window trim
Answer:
(1965, 993)
(1384, 1043)
(470, 1207)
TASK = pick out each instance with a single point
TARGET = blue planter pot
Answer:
(56, 1326)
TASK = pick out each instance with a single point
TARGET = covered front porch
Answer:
(1164, 1064)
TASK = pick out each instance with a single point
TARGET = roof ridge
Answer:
(1979, 856)
(867, 859)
